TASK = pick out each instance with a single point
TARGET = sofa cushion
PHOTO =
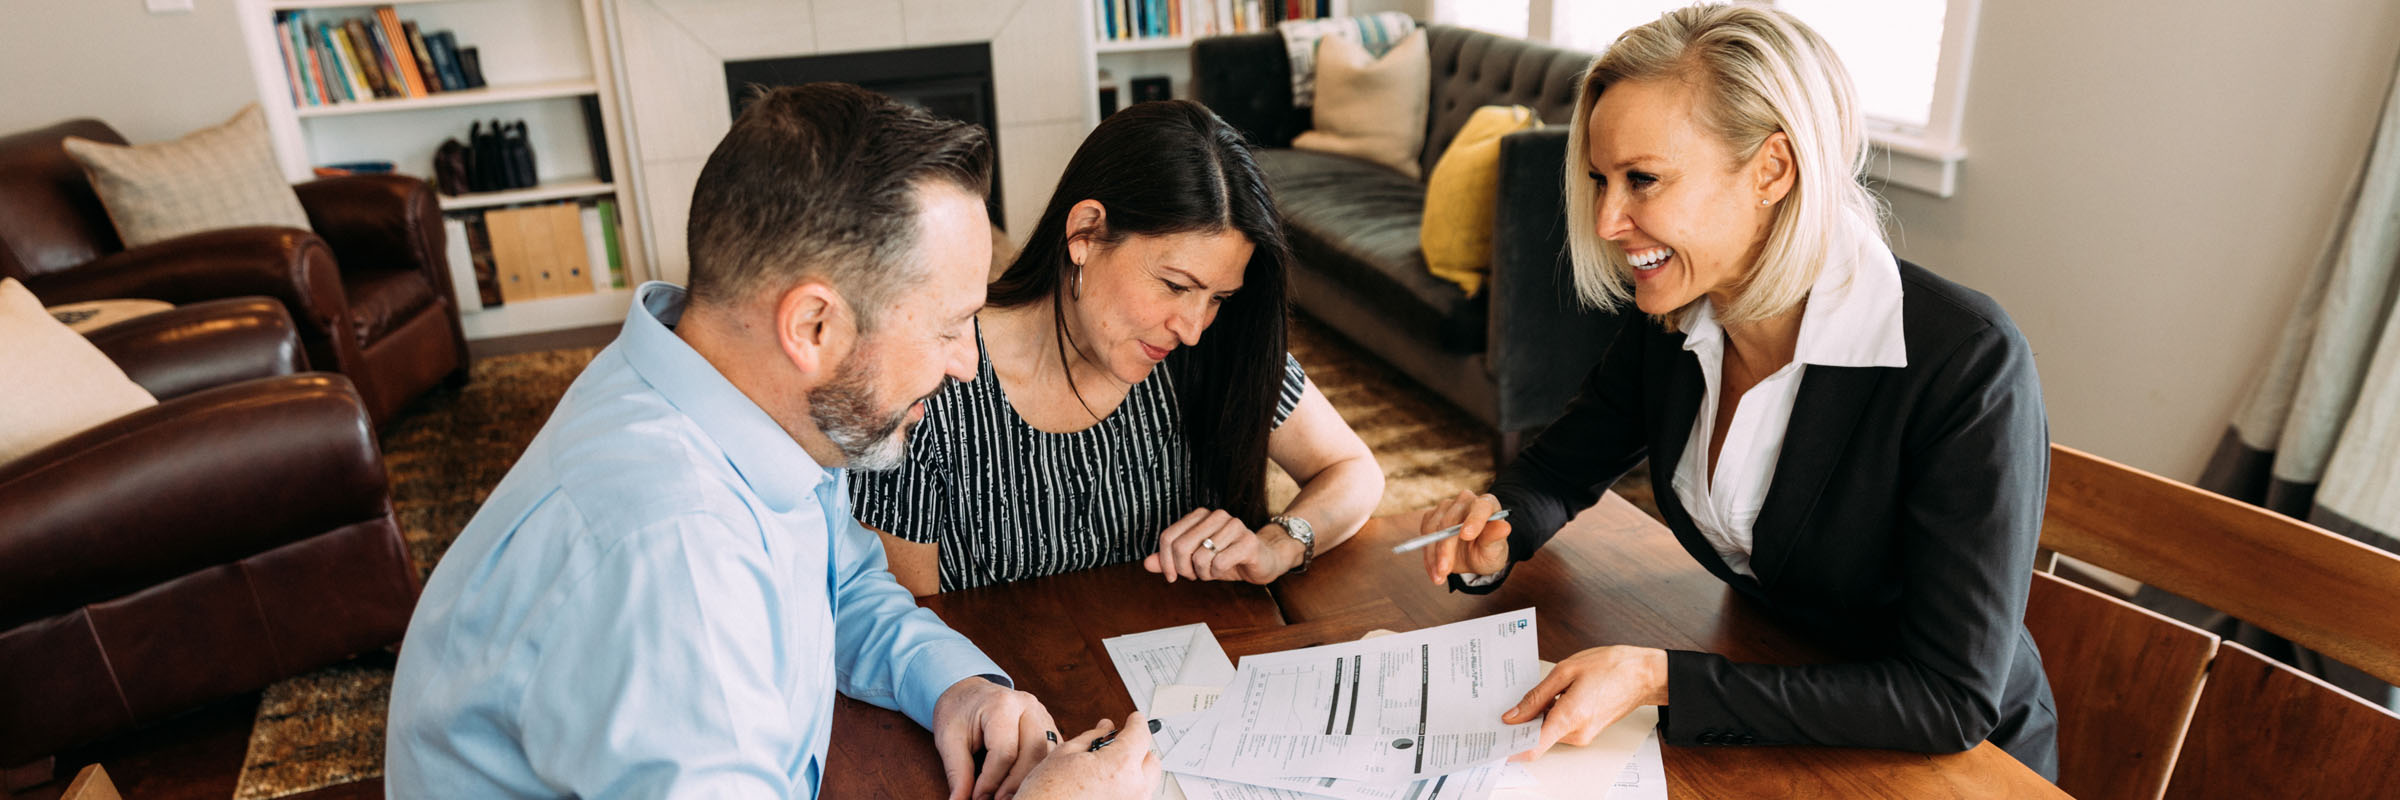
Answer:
(1368, 107)
(220, 177)
(58, 384)
(1462, 193)
(1357, 223)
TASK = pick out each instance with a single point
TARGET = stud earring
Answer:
(1768, 202)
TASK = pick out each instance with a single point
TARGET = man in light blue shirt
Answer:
(663, 595)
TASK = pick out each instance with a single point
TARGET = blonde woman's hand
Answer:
(1481, 546)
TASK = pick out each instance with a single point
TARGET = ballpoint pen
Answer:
(1439, 535)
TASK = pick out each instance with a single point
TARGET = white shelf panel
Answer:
(558, 190)
(463, 97)
(1142, 45)
(547, 314)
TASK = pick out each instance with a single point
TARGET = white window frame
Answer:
(1922, 158)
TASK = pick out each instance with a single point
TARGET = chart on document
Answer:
(1392, 709)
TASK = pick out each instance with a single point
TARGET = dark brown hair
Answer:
(1174, 167)
(822, 180)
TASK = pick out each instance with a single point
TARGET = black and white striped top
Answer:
(1007, 501)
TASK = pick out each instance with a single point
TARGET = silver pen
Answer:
(1445, 533)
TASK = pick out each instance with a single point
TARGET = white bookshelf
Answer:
(540, 60)
(1118, 62)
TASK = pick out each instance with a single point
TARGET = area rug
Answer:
(326, 728)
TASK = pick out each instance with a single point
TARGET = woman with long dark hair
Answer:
(1103, 426)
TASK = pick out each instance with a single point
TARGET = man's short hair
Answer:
(822, 180)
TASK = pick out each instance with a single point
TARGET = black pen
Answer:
(1105, 739)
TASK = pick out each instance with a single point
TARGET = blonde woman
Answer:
(1846, 438)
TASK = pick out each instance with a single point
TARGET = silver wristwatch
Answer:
(1300, 530)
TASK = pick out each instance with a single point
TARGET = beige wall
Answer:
(152, 76)
(2146, 187)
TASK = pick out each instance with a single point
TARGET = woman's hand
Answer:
(1211, 545)
(1126, 769)
(1590, 691)
(1481, 546)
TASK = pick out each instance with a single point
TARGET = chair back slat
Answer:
(2263, 729)
(2125, 679)
(2315, 587)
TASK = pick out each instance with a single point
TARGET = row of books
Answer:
(329, 61)
(1156, 19)
(504, 255)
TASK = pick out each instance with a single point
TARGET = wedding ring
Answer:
(1210, 543)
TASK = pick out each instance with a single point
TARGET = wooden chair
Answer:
(2266, 730)
(2319, 589)
(2125, 678)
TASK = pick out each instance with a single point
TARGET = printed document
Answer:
(1184, 654)
(1167, 732)
(1388, 710)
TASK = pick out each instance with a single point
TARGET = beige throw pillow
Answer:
(1371, 108)
(59, 384)
(221, 177)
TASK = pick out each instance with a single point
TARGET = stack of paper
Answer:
(1411, 716)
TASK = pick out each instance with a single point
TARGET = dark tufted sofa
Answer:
(1511, 355)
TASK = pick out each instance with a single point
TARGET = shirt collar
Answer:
(759, 449)
(1853, 316)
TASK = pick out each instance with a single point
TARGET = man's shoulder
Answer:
(625, 458)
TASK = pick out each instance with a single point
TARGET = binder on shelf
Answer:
(572, 268)
(595, 247)
(616, 247)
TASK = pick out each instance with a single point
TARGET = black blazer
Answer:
(1905, 510)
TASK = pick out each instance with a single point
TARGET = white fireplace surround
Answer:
(672, 64)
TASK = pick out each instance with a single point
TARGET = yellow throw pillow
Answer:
(1372, 108)
(58, 384)
(1460, 197)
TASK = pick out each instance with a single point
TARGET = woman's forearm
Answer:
(1338, 499)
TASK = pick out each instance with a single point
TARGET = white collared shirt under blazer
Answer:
(1851, 319)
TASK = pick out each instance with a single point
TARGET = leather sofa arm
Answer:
(1542, 341)
(183, 350)
(288, 264)
(379, 222)
(1247, 80)
(204, 479)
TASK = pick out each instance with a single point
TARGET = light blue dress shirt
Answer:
(659, 600)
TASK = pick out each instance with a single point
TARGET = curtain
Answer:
(2319, 437)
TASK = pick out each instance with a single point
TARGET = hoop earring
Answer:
(1078, 294)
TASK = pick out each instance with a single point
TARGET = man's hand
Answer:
(1011, 728)
(1124, 770)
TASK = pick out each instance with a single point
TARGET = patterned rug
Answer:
(326, 727)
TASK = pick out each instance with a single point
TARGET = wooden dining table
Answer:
(1611, 576)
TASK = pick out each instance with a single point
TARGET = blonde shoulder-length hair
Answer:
(1759, 71)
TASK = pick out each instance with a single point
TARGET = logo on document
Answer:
(1402, 744)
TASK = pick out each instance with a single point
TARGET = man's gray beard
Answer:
(844, 409)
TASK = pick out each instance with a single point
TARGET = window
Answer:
(1908, 59)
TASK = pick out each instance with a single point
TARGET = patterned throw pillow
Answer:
(59, 384)
(221, 177)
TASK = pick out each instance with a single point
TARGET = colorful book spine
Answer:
(424, 57)
(395, 40)
(353, 36)
(445, 60)
(291, 60)
(353, 80)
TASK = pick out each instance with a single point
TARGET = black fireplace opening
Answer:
(951, 81)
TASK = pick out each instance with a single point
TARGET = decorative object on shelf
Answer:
(498, 157)
(341, 168)
(1152, 88)
(1108, 101)
(450, 167)
(517, 150)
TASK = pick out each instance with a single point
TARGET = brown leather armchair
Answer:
(237, 533)
(369, 288)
